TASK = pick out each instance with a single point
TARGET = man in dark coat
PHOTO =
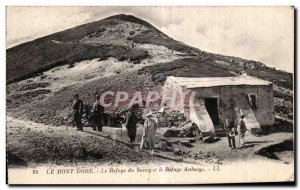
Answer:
(130, 123)
(97, 115)
(77, 112)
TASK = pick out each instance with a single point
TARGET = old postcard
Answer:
(149, 95)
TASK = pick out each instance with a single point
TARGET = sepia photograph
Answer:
(150, 95)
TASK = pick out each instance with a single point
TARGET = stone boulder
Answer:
(172, 132)
(184, 130)
(210, 139)
(192, 140)
(189, 130)
(186, 143)
(167, 141)
(177, 151)
(162, 145)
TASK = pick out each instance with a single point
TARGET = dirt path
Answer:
(31, 143)
(222, 151)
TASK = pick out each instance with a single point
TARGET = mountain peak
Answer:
(123, 17)
(128, 18)
(133, 19)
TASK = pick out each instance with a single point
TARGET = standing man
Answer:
(77, 112)
(97, 115)
(150, 127)
(241, 131)
(130, 123)
(230, 132)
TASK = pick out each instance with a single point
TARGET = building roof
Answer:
(240, 80)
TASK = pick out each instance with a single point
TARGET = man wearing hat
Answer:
(241, 130)
(130, 123)
(77, 112)
(97, 115)
(148, 138)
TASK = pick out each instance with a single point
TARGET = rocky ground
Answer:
(29, 144)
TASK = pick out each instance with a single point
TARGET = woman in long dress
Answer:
(148, 138)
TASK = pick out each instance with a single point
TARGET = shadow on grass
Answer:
(108, 137)
(257, 142)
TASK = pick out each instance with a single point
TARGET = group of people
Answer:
(232, 131)
(150, 126)
(95, 117)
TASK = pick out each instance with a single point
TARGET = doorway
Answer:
(252, 101)
(211, 105)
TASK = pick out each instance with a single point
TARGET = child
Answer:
(230, 133)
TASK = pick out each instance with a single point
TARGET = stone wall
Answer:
(264, 112)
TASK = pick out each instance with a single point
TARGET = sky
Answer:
(264, 34)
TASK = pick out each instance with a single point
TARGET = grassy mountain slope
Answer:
(28, 59)
(121, 52)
